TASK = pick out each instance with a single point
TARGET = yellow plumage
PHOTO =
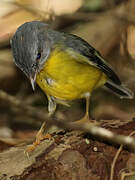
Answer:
(67, 76)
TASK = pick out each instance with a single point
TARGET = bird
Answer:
(63, 65)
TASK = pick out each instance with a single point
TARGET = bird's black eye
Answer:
(38, 56)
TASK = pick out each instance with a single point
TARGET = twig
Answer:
(115, 159)
(90, 128)
(127, 174)
(98, 132)
(16, 106)
(114, 162)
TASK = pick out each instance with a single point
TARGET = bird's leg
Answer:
(42, 133)
(85, 119)
(86, 116)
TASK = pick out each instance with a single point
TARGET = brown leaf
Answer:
(9, 24)
(6, 8)
(57, 7)
(131, 41)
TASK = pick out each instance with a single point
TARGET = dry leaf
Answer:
(56, 7)
(25, 11)
(6, 7)
(9, 24)
(131, 41)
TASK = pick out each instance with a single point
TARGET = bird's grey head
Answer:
(31, 47)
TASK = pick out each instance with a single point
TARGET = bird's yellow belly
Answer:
(64, 78)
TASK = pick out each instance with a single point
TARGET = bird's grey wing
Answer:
(93, 56)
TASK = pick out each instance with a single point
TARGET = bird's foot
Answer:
(38, 140)
(40, 136)
(85, 120)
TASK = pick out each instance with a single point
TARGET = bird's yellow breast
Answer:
(66, 78)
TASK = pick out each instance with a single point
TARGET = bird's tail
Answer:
(120, 90)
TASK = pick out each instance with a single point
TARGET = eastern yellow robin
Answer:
(64, 66)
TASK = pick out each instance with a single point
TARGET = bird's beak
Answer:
(33, 81)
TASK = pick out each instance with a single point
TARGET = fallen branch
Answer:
(93, 130)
